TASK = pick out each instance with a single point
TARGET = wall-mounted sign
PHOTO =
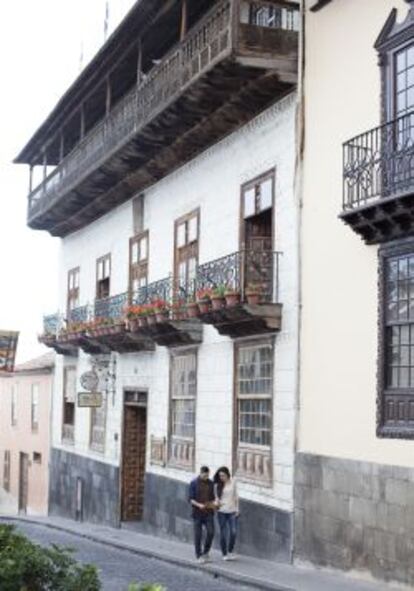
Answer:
(89, 381)
(8, 346)
(89, 399)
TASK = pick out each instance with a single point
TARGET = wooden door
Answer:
(23, 482)
(133, 463)
(257, 210)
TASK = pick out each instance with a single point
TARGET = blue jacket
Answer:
(194, 495)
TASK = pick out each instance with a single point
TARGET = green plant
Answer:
(25, 566)
(219, 291)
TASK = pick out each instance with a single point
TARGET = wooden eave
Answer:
(143, 16)
(249, 70)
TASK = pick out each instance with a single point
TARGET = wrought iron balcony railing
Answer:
(237, 271)
(379, 163)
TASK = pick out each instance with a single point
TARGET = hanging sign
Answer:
(8, 346)
(89, 399)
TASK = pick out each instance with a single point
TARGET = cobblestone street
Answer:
(119, 568)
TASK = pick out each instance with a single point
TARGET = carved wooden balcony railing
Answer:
(378, 181)
(226, 70)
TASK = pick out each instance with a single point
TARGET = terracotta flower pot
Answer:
(253, 298)
(204, 306)
(192, 310)
(151, 319)
(142, 321)
(162, 316)
(217, 302)
(133, 324)
(232, 299)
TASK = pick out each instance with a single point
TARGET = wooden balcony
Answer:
(237, 294)
(378, 182)
(226, 70)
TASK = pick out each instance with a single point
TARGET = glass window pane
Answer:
(134, 253)
(401, 61)
(401, 102)
(401, 81)
(266, 194)
(410, 77)
(410, 56)
(181, 238)
(250, 202)
(410, 98)
(193, 229)
(143, 249)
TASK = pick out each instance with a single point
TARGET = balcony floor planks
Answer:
(218, 103)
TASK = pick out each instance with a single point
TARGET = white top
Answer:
(229, 502)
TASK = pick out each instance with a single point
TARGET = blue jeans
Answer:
(228, 527)
(201, 521)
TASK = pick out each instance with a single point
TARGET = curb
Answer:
(216, 571)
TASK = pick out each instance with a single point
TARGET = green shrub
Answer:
(25, 566)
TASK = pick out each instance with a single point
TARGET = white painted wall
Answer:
(339, 272)
(212, 182)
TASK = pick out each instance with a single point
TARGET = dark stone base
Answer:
(263, 532)
(355, 515)
(100, 485)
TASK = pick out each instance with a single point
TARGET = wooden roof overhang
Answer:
(140, 20)
(199, 92)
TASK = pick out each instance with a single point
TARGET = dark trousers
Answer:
(228, 525)
(206, 521)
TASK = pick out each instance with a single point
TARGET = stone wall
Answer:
(100, 488)
(355, 515)
(264, 531)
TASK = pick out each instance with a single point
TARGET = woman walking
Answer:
(227, 500)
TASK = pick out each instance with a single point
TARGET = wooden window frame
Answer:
(35, 423)
(402, 429)
(187, 465)
(73, 292)
(6, 470)
(103, 259)
(68, 429)
(264, 453)
(141, 266)
(254, 183)
(177, 223)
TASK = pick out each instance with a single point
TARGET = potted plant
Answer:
(191, 308)
(178, 312)
(253, 292)
(142, 316)
(132, 314)
(217, 297)
(204, 300)
(161, 310)
(232, 296)
(150, 314)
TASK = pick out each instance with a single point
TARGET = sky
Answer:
(41, 43)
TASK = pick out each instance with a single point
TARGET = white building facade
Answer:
(210, 184)
(173, 191)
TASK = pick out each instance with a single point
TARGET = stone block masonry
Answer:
(355, 515)
(100, 486)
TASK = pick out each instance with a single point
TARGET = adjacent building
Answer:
(169, 175)
(355, 463)
(25, 413)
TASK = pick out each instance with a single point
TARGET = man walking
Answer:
(202, 500)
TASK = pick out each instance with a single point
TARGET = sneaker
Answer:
(201, 560)
(225, 557)
(207, 557)
(231, 556)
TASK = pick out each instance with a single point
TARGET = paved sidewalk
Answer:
(262, 574)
